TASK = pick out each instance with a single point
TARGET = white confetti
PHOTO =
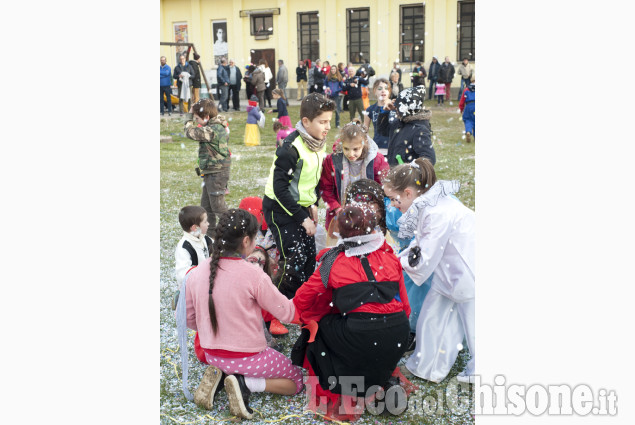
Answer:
(182, 145)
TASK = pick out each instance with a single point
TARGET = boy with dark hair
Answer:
(213, 156)
(291, 193)
(194, 246)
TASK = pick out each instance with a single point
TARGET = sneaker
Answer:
(210, 385)
(238, 396)
(277, 328)
(468, 138)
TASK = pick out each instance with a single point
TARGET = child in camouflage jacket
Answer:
(214, 157)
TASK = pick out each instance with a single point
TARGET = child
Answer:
(195, 245)
(353, 87)
(409, 134)
(369, 193)
(214, 158)
(333, 89)
(281, 107)
(282, 131)
(380, 88)
(440, 94)
(356, 157)
(443, 230)
(290, 201)
(252, 132)
(358, 297)
(466, 105)
(222, 300)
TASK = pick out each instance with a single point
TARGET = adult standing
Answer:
(316, 78)
(235, 78)
(418, 76)
(222, 82)
(282, 78)
(446, 75)
(301, 79)
(433, 75)
(268, 77)
(465, 71)
(345, 76)
(196, 80)
(166, 84)
(183, 73)
(258, 81)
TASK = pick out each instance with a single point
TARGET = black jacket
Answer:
(412, 141)
(180, 68)
(446, 73)
(433, 71)
(196, 81)
(354, 92)
(300, 73)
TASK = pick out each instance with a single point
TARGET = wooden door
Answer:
(270, 56)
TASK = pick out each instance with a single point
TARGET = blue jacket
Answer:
(222, 75)
(335, 86)
(166, 75)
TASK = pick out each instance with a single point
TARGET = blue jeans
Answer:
(464, 83)
(168, 94)
(338, 108)
(224, 97)
(433, 84)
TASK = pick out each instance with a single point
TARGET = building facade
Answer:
(381, 31)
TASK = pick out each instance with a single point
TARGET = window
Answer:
(261, 24)
(465, 31)
(412, 33)
(358, 34)
(308, 36)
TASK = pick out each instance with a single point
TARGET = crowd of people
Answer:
(394, 274)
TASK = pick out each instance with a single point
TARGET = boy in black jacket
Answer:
(354, 87)
(291, 193)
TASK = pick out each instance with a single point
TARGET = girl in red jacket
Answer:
(358, 296)
(356, 157)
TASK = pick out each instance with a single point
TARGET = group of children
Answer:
(360, 279)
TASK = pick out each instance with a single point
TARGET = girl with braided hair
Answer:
(224, 298)
(442, 230)
(357, 296)
(356, 157)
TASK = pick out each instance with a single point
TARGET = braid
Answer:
(232, 227)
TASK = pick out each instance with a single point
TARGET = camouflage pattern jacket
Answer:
(213, 152)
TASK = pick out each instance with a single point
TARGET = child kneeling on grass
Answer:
(223, 300)
(214, 158)
(290, 201)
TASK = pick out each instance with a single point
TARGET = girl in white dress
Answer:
(444, 232)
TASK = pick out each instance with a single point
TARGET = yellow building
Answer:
(335, 30)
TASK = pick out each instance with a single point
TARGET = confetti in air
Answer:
(182, 145)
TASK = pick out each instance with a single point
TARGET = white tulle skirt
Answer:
(442, 327)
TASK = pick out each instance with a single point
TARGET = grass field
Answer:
(181, 186)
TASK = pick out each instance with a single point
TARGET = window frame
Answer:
(471, 38)
(252, 20)
(418, 39)
(363, 54)
(311, 55)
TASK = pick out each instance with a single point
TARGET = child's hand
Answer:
(389, 105)
(414, 256)
(309, 226)
(313, 211)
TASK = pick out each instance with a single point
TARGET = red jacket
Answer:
(331, 180)
(312, 300)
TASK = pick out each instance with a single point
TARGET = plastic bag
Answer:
(261, 120)
(320, 238)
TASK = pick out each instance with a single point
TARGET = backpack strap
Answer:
(367, 269)
(209, 242)
(190, 249)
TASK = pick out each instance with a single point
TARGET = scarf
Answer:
(351, 247)
(313, 144)
(425, 114)
(408, 222)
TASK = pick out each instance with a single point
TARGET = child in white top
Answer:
(444, 232)
(194, 246)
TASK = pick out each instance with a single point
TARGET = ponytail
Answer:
(232, 227)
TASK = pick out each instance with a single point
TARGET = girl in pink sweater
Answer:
(223, 298)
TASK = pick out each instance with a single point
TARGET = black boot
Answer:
(238, 395)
